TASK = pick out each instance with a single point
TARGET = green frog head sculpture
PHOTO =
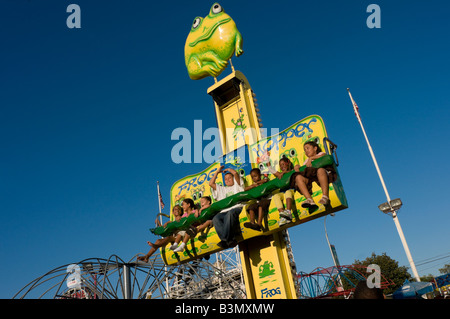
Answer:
(211, 44)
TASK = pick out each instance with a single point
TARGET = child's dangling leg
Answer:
(301, 182)
(181, 247)
(260, 216)
(251, 209)
(287, 213)
(323, 182)
(177, 240)
(278, 201)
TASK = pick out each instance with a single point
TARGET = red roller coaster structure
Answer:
(334, 281)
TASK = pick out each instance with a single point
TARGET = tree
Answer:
(427, 278)
(445, 270)
(389, 270)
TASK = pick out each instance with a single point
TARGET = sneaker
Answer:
(286, 214)
(309, 203)
(324, 200)
(283, 221)
(253, 226)
(312, 208)
(248, 225)
(174, 246)
(179, 248)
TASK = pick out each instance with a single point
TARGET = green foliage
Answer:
(445, 269)
(389, 270)
(427, 278)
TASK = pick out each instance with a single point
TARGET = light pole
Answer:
(333, 255)
(328, 241)
(390, 208)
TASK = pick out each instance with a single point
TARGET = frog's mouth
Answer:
(208, 34)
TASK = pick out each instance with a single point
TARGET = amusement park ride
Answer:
(266, 259)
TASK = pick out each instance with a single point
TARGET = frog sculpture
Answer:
(211, 43)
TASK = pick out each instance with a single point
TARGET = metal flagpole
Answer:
(394, 214)
(160, 220)
(159, 202)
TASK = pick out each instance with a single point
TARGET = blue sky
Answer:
(87, 116)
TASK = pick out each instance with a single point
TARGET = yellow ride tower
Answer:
(239, 124)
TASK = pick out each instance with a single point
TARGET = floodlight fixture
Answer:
(391, 206)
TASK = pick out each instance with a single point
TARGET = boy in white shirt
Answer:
(226, 222)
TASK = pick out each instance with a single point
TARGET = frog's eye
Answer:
(216, 8)
(292, 152)
(196, 23)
